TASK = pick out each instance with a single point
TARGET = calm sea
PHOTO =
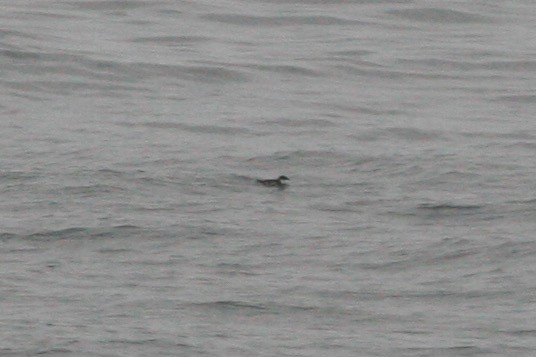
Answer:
(132, 133)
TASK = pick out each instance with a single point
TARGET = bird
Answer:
(278, 182)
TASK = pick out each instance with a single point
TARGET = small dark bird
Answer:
(278, 182)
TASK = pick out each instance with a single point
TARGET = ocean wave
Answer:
(338, 2)
(77, 233)
(438, 15)
(90, 190)
(172, 40)
(19, 54)
(108, 5)
(293, 69)
(199, 129)
(207, 72)
(393, 74)
(518, 98)
(18, 176)
(299, 123)
(404, 133)
(250, 20)
(268, 307)
(460, 350)
(448, 207)
(69, 74)
(311, 158)
(469, 65)
(230, 305)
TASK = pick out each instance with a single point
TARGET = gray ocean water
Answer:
(132, 132)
